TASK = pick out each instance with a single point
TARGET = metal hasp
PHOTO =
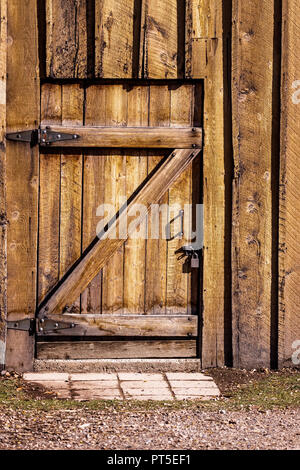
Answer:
(41, 136)
(41, 326)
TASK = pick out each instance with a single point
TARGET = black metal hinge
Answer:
(40, 136)
(41, 326)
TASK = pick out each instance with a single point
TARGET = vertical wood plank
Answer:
(136, 172)
(66, 38)
(114, 38)
(49, 197)
(23, 98)
(179, 194)
(156, 251)
(3, 215)
(289, 253)
(159, 40)
(202, 30)
(213, 309)
(252, 211)
(115, 193)
(71, 187)
(93, 193)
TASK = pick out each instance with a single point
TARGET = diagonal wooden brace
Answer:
(81, 274)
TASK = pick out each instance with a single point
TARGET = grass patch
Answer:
(264, 391)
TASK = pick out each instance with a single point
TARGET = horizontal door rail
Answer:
(127, 137)
(121, 325)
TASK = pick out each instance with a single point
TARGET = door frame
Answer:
(23, 54)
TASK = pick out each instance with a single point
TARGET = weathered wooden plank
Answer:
(159, 40)
(93, 193)
(131, 137)
(116, 349)
(252, 212)
(23, 98)
(179, 196)
(104, 248)
(71, 187)
(114, 20)
(115, 190)
(214, 200)
(203, 26)
(49, 197)
(156, 248)
(128, 325)
(3, 216)
(66, 43)
(289, 254)
(136, 172)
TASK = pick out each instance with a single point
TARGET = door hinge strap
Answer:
(41, 326)
(42, 136)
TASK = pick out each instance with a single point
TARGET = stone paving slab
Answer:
(187, 376)
(93, 376)
(42, 376)
(131, 376)
(131, 386)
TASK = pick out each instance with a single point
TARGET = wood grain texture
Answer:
(49, 197)
(136, 172)
(3, 215)
(104, 249)
(23, 102)
(71, 188)
(213, 197)
(203, 26)
(252, 201)
(159, 40)
(115, 190)
(117, 349)
(128, 325)
(156, 248)
(93, 194)
(131, 137)
(178, 278)
(66, 42)
(114, 26)
(289, 252)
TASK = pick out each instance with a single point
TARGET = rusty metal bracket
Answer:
(40, 326)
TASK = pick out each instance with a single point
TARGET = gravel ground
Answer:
(155, 429)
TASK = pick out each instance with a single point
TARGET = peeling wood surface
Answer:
(128, 325)
(289, 248)
(23, 102)
(117, 349)
(252, 201)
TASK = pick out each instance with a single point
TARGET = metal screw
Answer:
(193, 130)
(41, 329)
(42, 320)
(56, 325)
(58, 136)
(75, 136)
(194, 146)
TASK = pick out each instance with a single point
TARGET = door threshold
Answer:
(117, 365)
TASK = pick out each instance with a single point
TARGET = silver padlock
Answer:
(195, 261)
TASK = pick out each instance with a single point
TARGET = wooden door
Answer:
(144, 301)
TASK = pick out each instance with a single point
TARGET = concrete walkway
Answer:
(126, 386)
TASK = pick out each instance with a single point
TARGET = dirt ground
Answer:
(259, 410)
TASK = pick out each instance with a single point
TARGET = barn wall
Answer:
(246, 53)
